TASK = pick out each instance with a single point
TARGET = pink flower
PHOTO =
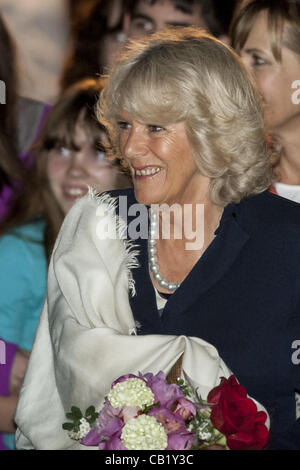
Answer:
(106, 414)
(92, 438)
(180, 441)
(185, 408)
(129, 412)
(178, 437)
(166, 394)
(171, 422)
(108, 428)
(114, 443)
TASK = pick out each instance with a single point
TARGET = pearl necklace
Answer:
(152, 253)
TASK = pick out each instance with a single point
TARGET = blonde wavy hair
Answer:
(186, 75)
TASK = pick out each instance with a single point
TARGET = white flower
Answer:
(84, 429)
(74, 435)
(144, 433)
(131, 392)
(204, 435)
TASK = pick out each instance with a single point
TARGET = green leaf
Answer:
(91, 420)
(68, 426)
(76, 413)
(91, 415)
(76, 427)
(90, 411)
(70, 416)
(146, 409)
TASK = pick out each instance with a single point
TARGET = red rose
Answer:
(236, 416)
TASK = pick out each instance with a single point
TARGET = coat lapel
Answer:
(215, 261)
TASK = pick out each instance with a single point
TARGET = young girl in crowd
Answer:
(69, 157)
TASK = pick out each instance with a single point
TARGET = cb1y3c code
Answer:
(181, 459)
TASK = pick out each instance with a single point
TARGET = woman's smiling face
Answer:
(160, 160)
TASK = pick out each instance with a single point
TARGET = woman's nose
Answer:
(135, 144)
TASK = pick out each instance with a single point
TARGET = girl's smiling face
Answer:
(71, 170)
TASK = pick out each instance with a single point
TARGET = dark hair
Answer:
(84, 58)
(215, 16)
(59, 128)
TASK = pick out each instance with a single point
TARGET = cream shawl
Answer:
(87, 338)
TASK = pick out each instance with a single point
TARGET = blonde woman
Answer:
(184, 117)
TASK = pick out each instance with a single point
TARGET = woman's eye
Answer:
(123, 125)
(154, 128)
(100, 155)
(257, 60)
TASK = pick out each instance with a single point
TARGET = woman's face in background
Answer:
(274, 79)
(71, 170)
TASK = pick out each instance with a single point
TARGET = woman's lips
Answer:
(146, 171)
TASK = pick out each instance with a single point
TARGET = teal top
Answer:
(23, 273)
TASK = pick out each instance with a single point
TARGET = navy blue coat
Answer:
(242, 296)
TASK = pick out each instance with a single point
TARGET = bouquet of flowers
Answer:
(145, 412)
